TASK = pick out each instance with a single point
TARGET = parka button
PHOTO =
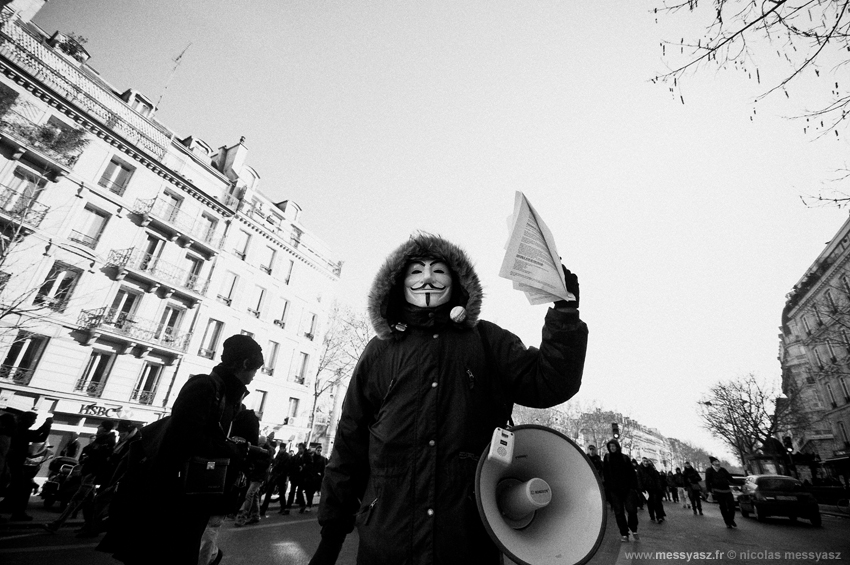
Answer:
(434, 384)
(436, 336)
(432, 443)
(430, 512)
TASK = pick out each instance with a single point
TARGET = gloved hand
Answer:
(572, 286)
(333, 536)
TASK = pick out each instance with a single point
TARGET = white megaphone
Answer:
(539, 497)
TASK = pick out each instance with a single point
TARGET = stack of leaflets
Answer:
(531, 257)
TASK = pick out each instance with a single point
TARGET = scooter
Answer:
(60, 484)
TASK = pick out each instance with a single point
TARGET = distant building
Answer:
(814, 353)
(129, 254)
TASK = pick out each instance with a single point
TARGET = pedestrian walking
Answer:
(94, 460)
(159, 522)
(652, 482)
(621, 486)
(297, 475)
(20, 474)
(718, 481)
(595, 459)
(259, 464)
(424, 399)
(673, 495)
(279, 479)
(692, 480)
(679, 481)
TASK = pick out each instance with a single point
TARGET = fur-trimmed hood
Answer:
(386, 297)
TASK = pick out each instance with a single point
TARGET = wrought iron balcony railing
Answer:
(143, 396)
(21, 207)
(136, 329)
(60, 145)
(183, 221)
(18, 375)
(83, 239)
(91, 388)
(139, 261)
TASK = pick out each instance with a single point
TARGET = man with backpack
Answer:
(154, 519)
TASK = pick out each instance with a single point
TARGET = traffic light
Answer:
(786, 441)
(615, 430)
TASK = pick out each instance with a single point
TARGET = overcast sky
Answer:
(683, 222)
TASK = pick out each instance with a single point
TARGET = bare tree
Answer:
(746, 413)
(348, 333)
(805, 39)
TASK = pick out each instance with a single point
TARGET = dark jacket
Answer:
(619, 474)
(597, 463)
(691, 477)
(95, 457)
(649, 479)
(422, 404)
(719, 480)
(679, 479)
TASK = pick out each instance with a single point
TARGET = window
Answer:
(842, 433)
(844, 389)
(210, 341)
(831, 350)
(145, 390)
(205, 228)
(228, 287)
(806, 325)
(170, 206)
(257, 301)
(22, 191)
(271, 357)
(22, 357)
(295, 237)
(240, 244)
(309, 326)
(258, 402)
(845, 282)
(153, 250)
(818, 357)
(288, 272)
(831, 395)
(282, 320)
(96, 372)
(169, 323)
(193, 273)
(55, 291)
(301, 368)
(267, 260)
(123, 307)
(91, 227)
(116, 176)
(292, 412)
(830, 300)
(246, 332)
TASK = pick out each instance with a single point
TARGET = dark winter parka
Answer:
(422, 404)
(619, 474)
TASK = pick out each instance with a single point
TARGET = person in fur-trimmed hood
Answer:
(422, 404)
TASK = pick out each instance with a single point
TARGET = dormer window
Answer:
(138, 102)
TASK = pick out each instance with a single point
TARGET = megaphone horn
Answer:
(540, 498)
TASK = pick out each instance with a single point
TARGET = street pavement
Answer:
(290, 540)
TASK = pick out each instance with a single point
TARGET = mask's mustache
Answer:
(425, 286)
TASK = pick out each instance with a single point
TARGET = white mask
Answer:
(427, 282)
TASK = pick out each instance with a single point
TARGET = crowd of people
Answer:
(630, 486)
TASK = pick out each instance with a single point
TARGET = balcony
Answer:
(143, 396)
(83, 239)
(157, 273)
(21, 208)
(18, 375)
(91, 388)
(181, 225)
(79, 87)
(132, 331)
(53, 144)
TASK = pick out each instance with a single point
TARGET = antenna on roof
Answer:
(177, 60)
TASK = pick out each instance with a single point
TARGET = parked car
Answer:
(777, 495)
(737, 483)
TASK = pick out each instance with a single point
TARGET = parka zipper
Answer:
(471, 379)
(369, 511)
